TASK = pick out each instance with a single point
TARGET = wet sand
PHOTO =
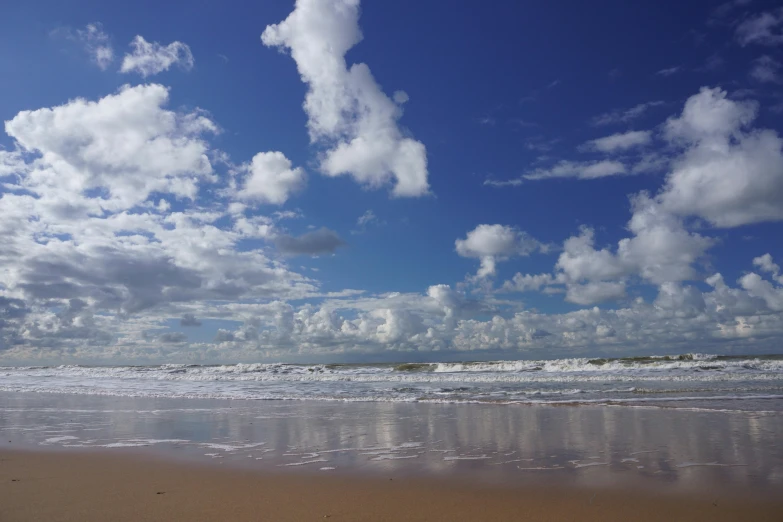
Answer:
(98, 486)
(72, 457)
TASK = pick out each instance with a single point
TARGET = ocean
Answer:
(690, 421)
(688, 381)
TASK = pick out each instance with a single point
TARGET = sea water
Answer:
(689, 381)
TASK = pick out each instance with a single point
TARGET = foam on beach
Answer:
(697, 381)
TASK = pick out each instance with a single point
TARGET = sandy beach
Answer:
(56, 486)
(85, 458)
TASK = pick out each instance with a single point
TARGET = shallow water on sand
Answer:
(589, 445)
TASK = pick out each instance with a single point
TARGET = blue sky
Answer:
(501, 181)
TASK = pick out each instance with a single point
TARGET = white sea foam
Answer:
(55, 440)
(590, 464)
(393, 456)
(305, 462)
(697, 464)
(630, 381)
(229, 447)
(467, 457)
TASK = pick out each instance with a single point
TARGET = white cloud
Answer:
(126, 144)
(625, 116)
(492, 243)
(581, 261)
(685, 302)
(766, 70)
(346, 108)
(271, 179)
(594, 292)
(400, 97)
(11, 162)
(365, 220)
(766, 264)
(758, 287)
(660, 251)
(651, 162)
(93, 253)
(579, 170)
(764, 28)
(97, 44)
(728, 174)
(503, 183)
(710, 115)
(150, 58)
(620, 141)
(439, 321)
(528, 282)
(669, 71)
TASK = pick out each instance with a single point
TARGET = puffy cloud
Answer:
(581, 261)
(317, 242)
(491, 243)
(528, 282)
(579, 169)
(682, 301)
(710, 116)
(150, 58)
(11, 163)
(97, 44)
(660, 251)
(727, 175)
(272, 179)
(594, 292)
(94, 256)
(346, 108)
(766, 264)
(766, 69)
(758, 287)
(620, 141)
(625, 116)
(764, 28)
(126, 144)
(444, 320)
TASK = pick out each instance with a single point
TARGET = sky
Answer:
(331, 180)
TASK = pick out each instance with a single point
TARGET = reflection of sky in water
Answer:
(591, 445)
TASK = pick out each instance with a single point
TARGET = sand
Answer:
(96, 486)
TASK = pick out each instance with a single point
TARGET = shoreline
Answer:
(595, 446)
(96, 485)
